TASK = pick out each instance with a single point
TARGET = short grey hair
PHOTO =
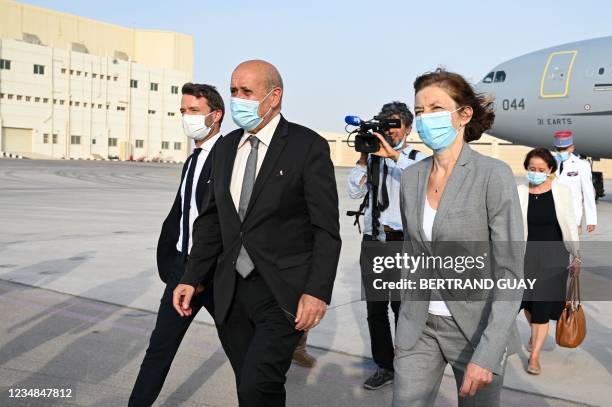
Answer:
(397, 108)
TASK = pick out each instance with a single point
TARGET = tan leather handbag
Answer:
(571, 326)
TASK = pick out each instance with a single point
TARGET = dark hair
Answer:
(544, 154)
(397, 108)
(464, 95)
(200, 90)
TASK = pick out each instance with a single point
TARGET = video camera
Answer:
(365, 139)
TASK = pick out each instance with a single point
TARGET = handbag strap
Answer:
(573, 294)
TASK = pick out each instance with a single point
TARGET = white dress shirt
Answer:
(244, 148)
(193, 207)
(429, 214)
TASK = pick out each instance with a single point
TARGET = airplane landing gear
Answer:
(598, 184)
(598, 181)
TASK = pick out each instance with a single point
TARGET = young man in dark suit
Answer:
(271, 228)
(202, 109)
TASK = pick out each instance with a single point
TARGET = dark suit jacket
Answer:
(290, 229)
(171, 228)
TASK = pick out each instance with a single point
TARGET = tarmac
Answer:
(79, 291)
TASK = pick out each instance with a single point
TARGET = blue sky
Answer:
(350, 57)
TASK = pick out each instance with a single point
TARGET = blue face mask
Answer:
(400, 145)
(536, 178)
(436, 130)
(397, 147)
(244, 112)
(562, 156)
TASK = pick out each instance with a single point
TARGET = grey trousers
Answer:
(419, 371)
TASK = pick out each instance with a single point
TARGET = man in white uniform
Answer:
(576, 174)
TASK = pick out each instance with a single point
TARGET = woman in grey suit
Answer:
(457, 195)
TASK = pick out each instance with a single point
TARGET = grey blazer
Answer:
(480, 203)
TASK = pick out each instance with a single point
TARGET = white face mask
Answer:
(194, 126)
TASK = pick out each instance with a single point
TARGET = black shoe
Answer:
(380, 378)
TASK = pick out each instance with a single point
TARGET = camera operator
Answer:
(396, 155)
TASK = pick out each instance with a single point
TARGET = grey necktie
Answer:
(244, 265)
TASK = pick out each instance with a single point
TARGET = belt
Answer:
(393, 236)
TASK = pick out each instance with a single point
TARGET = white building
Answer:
(71, 87)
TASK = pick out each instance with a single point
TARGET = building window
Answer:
(170, 114)
(77, 103)
(37, 99)
(63, 70)
(177, 146)
(107, 107)
(115, 79)
(55, 101)
(112, 142)
(85, 105)
(121, 108)
(78, 73)
(174, 90)
(151, 111)
(94, 75)
(72, 72)
(61, 101)
(19, 97)
(139, 143)
(133, 83)
(99, 105)
(28, 98)
(108, 77)
(1, 95)
(165, 145)
(154, 86)
(5, 64)
(10, 96)
(45, 100)
(93, 141)
(85, 74)
(46, 138)
(71, 103)
(75, 139)
(55, 138)
(39, 69)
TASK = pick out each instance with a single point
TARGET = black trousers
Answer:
(380, 331)
(381, 340)
(170, 328)
(259, 339)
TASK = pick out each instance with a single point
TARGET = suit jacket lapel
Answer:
(421, 195)
(454, 184)
(203, 181)
(228, 159)
(277, 144)
(231, 158)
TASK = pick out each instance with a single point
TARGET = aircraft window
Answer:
(500, 76)
(488, 78)
(601, 71)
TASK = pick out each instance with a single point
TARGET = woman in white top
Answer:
(551, 233)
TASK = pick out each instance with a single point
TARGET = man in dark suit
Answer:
(270, 226)
(202, 109)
